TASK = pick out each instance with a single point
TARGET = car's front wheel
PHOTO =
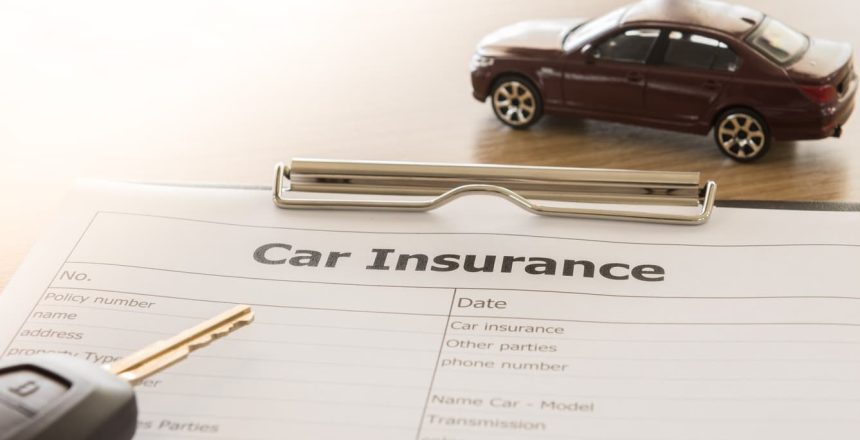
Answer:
(516, 102)
(742, 135)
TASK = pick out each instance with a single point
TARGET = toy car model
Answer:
(685, 65)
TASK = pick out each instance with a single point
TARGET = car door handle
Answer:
(635, 77)
(711, 85)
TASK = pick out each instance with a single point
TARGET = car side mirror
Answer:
(591, 53)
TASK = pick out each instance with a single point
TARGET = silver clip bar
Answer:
(522, 185)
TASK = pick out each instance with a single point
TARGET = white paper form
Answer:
(477, 321)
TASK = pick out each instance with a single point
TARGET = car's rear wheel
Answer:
(516, 102)
(742, 135)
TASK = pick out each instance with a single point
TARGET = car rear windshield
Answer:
(778, 41)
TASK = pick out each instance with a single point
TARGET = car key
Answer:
(54, 397)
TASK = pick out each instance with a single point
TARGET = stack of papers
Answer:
(477, 321)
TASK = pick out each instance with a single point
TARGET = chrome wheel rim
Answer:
(514, 103)
(741, 135)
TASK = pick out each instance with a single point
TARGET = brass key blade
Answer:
(143, 363)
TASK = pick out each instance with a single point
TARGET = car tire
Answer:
(516, 102)
(742, 135)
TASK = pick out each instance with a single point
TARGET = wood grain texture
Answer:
(202, 91)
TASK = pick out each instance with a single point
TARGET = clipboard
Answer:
(185, 230)
(526, 186)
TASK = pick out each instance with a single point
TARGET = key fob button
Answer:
(28, 389)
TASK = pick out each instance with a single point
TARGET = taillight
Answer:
(820, 94)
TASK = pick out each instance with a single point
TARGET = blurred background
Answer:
(213, 91)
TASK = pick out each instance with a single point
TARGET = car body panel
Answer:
(733, 20)
(528, 35)
(606, 87)
(684, 95)
(823, 62)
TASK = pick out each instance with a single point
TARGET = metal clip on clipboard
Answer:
(438, 184)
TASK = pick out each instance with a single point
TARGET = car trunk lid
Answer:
(824, 63)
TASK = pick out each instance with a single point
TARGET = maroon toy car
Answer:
(685, 65)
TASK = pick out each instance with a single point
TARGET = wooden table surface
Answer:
(204, 91)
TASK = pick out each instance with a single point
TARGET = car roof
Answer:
(727, 18)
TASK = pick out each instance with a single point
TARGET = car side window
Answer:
(685, 49)
(630, 46)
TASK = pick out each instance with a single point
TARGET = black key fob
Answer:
(58, 397)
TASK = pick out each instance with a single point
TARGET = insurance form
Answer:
(476, 321)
